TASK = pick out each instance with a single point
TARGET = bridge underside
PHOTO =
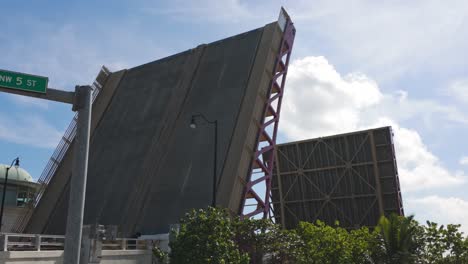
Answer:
(350, 178)
(147, 167)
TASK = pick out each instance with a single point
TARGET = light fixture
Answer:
(193, 125)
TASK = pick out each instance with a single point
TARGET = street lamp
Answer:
(16, 162)
(193, 125)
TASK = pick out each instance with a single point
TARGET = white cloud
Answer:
(29, 130)
(442, 210)
(464, 160)
(320, 102)
(459, 90)
(418, 167)
(426, 109)
(389, 38)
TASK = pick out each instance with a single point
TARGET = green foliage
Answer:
(435, 246)
(398, 239)
(160, 255)
(327, 244)
(265, 241)
(214, 236)
(206, 236)
(362, 242)
(444, 244)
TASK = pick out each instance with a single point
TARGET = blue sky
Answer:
(356, 64)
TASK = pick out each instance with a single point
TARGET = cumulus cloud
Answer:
(29, 130)
(418, 167)
(320, 102)
(403, 37)
(426, 109)
(455, 210)
(464, 160)
(459, 90)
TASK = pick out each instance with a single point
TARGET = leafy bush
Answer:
(206, 236)
(214, 236)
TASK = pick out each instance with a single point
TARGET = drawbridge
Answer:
(147, 167)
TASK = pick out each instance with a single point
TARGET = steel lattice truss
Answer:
(257, 202)
(350, 178)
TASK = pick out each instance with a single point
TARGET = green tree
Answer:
(434, 244)
(362, 243)
(455, 247)
(160, 256)
(206, 236)
(214, 236)
(455, 244)
(334, 245)
(266, 242)
(444, 244)
(399, 240)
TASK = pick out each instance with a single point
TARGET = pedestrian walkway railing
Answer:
(39, 242)
(30, 242)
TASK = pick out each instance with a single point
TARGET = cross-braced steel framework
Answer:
(350, 178)
(261, 168)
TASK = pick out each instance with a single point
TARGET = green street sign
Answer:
(24, 82)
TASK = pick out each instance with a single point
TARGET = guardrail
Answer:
(30, 242)
(39, 242)
(126, 244)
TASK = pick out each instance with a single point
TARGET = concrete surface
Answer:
(147, 167)
(55, 257)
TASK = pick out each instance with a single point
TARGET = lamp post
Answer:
(16, 162)
(193, 125)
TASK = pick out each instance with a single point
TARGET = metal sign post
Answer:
(81, 99)
(76, 201)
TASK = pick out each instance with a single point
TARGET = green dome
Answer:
(14, 173)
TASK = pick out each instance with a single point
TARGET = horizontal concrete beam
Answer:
(55, 257)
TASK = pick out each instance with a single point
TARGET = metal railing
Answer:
(59, 153)
(38, 242)
(30, 242)
(126, 244)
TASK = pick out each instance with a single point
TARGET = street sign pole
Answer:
(81, 99)
(76, 200)
(52, 95)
